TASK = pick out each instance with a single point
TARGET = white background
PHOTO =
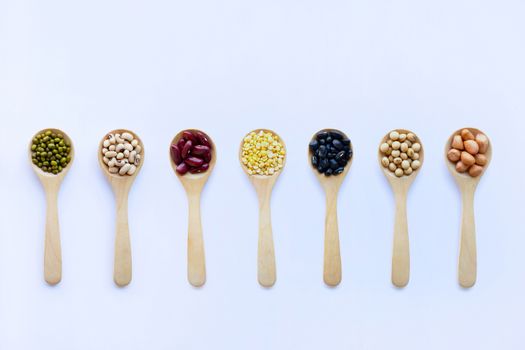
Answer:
(228, 67)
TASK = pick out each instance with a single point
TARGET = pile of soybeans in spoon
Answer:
(401, 153)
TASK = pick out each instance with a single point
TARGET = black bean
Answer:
(338, 144)
(315, 161)
(314, 145)
(322, 135)
(346, 142)
(328, 172)
(322, 151)
(334, 164)
(336, 135)
(322, 141)
(329, 139)
(339, 170)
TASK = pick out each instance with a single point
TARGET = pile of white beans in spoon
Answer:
(122, 153)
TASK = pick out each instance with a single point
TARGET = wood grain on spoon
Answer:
(194, 184)
(264, 184)
(401, 246)
(467, 263)
(121, 185)
(51, 184)
(332, 269)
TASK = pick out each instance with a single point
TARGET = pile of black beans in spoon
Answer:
(330, 152)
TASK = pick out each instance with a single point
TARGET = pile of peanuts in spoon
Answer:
(122, 153)
(468, 152)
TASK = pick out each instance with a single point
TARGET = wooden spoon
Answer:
(51, 184)
(331, 184)
(193, 184)
(400, 187)
(467, 267)
(121, 186)
(263, 186)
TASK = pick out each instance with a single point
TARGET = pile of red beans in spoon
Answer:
(192, 152)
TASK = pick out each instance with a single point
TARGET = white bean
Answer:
(132, 156)
(113, 170)
(127, 136)
(125, 168)
(132, 170)
(106, 143)
(111, 154)
(120, 156)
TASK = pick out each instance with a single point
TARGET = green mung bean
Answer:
(51, 152)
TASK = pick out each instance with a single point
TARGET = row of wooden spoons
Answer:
(194, 183)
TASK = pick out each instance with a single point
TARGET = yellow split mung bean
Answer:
(263, 153)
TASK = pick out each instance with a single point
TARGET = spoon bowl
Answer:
(51, 184)
(400, 187)
(465, 178)
(330, 181)
(245, 168)
(116, 177)
(467, 262)
(264, 184)
(405, 179)
(189, 177)
(121, 185)
(194, 184)
(332, 267)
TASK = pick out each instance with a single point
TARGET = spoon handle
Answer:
(122, 269)
(332, 254)
(467, 252)
(52, 250)
(196, 258)
(266, 252)
(401, 254)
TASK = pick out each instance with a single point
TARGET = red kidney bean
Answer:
(200, 150)
(207, 157)
(186, 150)
(203, 138)
(182, 168)
(200, 169)
(181, 143)
(175, 154)
(188, 135)
(194, 162)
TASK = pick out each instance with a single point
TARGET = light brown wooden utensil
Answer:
(400, 187)
(332, 256)
(193, 184)
(121, 186)
(467, 266)
(266, 253)
(51, 184)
